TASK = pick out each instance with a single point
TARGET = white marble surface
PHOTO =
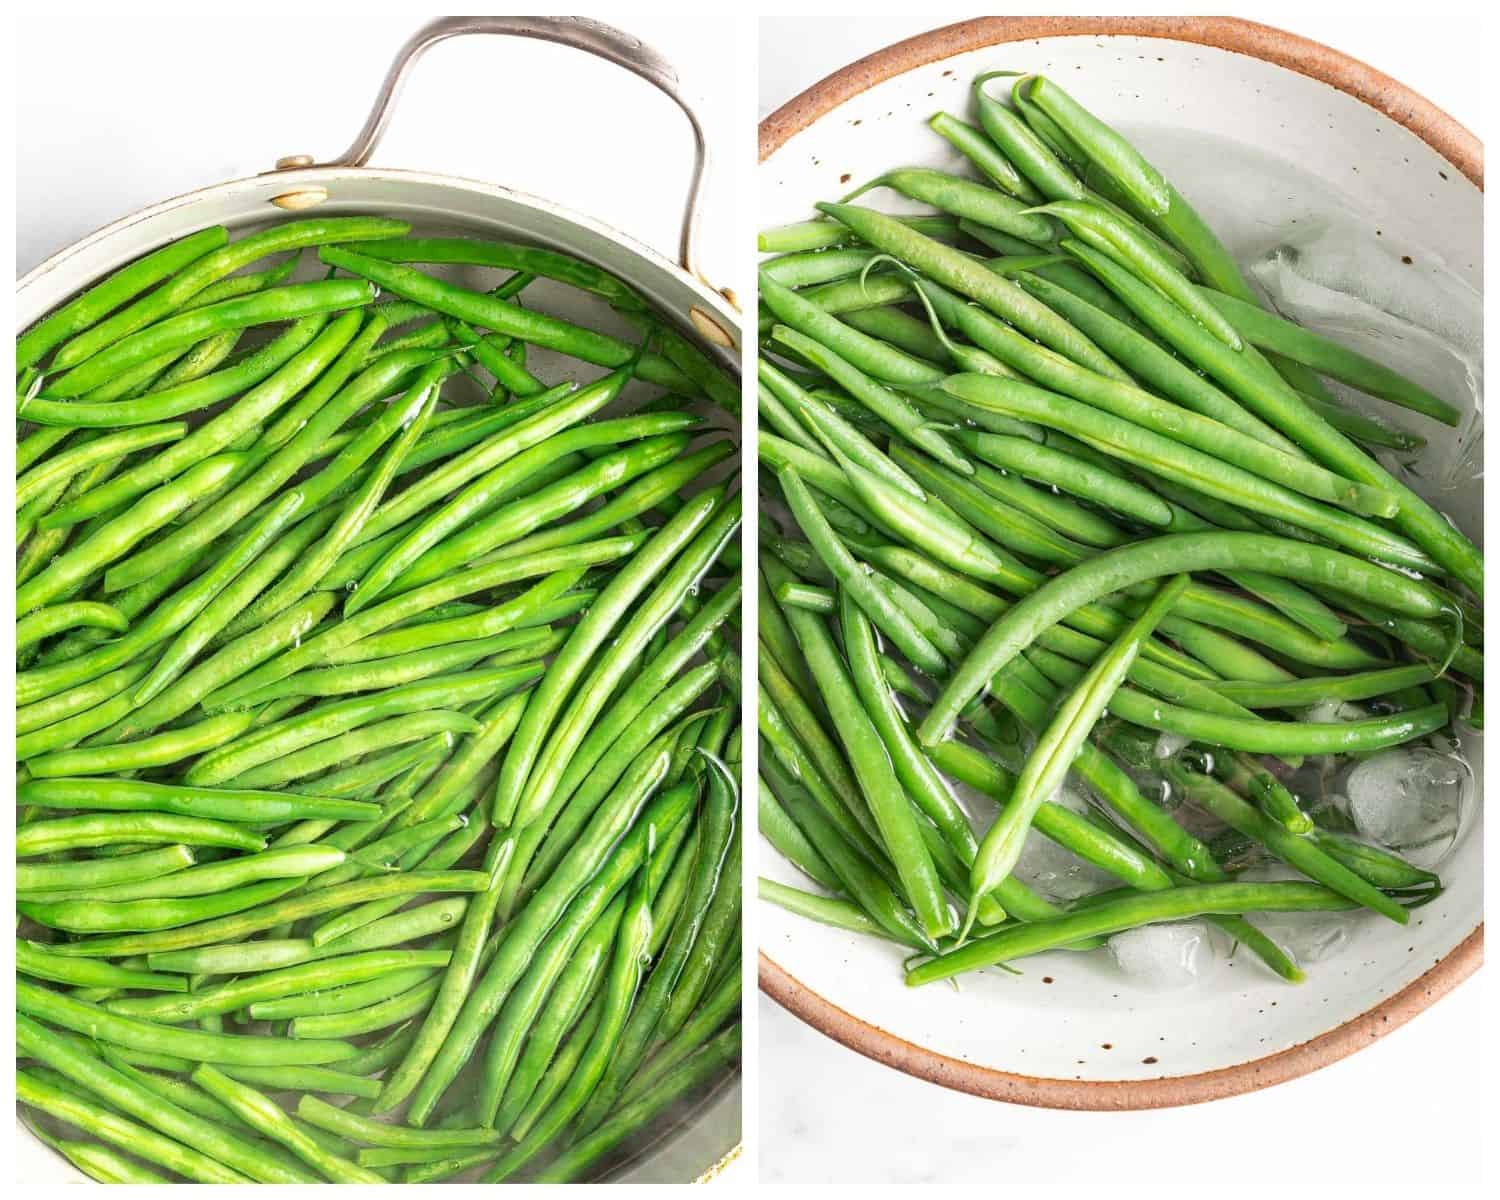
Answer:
(1403, 1115)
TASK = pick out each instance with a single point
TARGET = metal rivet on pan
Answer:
(302, 198)
(709, 329)
(293, 161)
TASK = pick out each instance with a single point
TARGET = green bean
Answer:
(840, 914)
(312, 1079)
(1155, 365)
(158, 750)
(324, 721)
(609, 1039)
(1370, 863)
(204, 271)
(974, 145)
(289, 981)
(703, 1021)
(956, 270)
(511, 256)
(885, 403)
(45, 622)
(1127, 912)
(115, 538)
(710, 1061)
(1058, 746)
(347, 928)
(1249, 778)
(284, 863)
(98, 1162)
(592, 773)
(1106, 232)
(123, 1088)
(101, 449)
(1253, 381)
(151, 864)
(825, 234)
(33, 960)
(1273, 334)
(456, 981)
(1008, 526)
(425, 554)
(219, 432)
(542, 712)
(219, 804)
(333, 751)
(914, 772)
(716, 937)
(1364, 428)
(965, 199)
(96, 1119)
(895, 623)
(718, 824)
(1132, 564)
(360, 1129)
(287, 459)
(1299, 852)
(208, 933)
(563, 565)
(131, 916)
(185, 396)
(506, 531)
(1312, 690)
(72, 833)
(807, 267)
(191, 1044)
(506, 318)
(266, 1117)
(525, 933)
(778, 828)
(1200, 432)
(609, 669)
(1215, 476)
(91, 306)
(873, 772)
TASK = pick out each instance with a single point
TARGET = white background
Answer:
(121, 106)
(1403, 1116)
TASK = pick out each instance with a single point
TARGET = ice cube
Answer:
(1170, 745)
(1307, 937)
(1329, 712)
(1412, 800)
(1056, 873)
(1163, 957)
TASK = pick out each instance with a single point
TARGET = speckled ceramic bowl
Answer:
(1275, 139)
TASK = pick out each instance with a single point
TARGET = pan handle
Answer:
(581, 33)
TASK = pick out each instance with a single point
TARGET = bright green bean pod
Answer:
(96, 303)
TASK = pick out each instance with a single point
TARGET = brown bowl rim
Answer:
(1460, 147)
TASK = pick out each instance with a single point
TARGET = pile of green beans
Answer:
(1042, 479)
(378, 709)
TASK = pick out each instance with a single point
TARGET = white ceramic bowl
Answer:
(1275, 141)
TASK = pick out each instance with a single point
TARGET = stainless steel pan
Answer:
(700, 1142)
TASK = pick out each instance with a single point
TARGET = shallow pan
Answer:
(698, 1143)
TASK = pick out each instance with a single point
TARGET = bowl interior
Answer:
(1352, 225)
